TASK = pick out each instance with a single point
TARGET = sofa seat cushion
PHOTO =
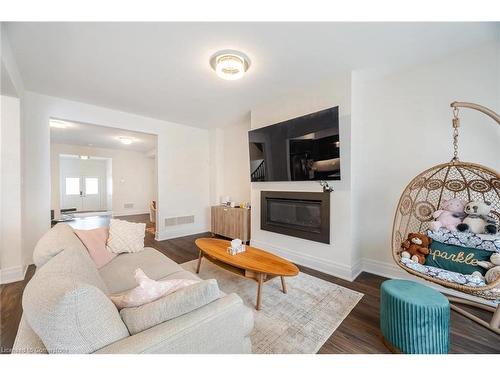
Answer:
(171, 306)
(66, 306)
(182, 274)
(118, 275)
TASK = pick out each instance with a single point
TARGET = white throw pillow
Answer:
(125, 237)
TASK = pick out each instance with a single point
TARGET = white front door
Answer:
(91, 198)
(71, 192)
(83, 184)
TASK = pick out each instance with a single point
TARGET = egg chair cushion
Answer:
(488, 242)
(450, 276)
(456, 258)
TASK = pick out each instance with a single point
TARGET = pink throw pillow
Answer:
(148, 290)
(95, 242)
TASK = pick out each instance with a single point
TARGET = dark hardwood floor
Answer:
(358, 333)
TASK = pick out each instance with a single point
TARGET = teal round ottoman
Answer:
(414, 318)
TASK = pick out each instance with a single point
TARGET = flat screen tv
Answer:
(301, 149)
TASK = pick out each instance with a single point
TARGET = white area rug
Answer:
(297, 322)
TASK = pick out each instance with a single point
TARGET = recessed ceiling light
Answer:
(229, 64)
(125, 140)
(58, 124)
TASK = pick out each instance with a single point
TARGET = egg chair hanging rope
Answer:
(424, 195)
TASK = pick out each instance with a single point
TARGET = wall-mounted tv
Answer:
(301, 149)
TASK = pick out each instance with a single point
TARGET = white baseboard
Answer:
(180, 231)
(356, 269)
(389, 270)
(331, 268)
(392, 271)
(12, 274)
(129, 213)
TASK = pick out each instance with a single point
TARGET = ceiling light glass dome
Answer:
(230, 65)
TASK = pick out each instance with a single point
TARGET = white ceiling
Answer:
(102, 137)
(162, 70)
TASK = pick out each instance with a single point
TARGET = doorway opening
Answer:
(101, 172)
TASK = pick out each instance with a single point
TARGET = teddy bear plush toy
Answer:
(449, 216)
(416, 247)
(478, 220)
(493, 267)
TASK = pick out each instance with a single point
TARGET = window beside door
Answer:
(72, 185)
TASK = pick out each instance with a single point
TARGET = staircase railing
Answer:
(260, 173)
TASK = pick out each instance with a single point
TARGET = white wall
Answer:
(182, 163)
(9, 62)
(338, 257)
(230, 163)
(216, 165)
(401, 125)
(11, 262)
(133, 177)
(237, 162)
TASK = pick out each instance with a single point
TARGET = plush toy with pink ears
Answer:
(450, 215)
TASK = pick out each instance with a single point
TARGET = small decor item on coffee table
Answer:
(254, 264)
(236, 247)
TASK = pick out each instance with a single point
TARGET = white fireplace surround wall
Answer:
(338, 257)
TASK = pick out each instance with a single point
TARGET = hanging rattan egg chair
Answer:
(424, 194)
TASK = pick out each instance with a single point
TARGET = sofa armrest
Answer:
(222, 326)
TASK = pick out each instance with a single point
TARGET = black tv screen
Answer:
(301, 149)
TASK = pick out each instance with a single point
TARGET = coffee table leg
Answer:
(259, 290)
(199, 262)
(283, 285)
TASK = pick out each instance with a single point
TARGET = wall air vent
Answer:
(180, 220)
(128, 205)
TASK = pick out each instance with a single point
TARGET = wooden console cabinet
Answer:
(231, 222)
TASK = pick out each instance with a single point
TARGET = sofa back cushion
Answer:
(55, 240)
(66, 306)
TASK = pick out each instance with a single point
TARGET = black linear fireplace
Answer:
(298, 214)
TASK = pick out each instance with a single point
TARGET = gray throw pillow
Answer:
(171, 306)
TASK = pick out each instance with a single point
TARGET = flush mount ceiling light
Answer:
(125, 140)
(229, 64)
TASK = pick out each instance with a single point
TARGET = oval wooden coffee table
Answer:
(254, 264)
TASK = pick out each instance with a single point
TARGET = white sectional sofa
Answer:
(66, 308)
